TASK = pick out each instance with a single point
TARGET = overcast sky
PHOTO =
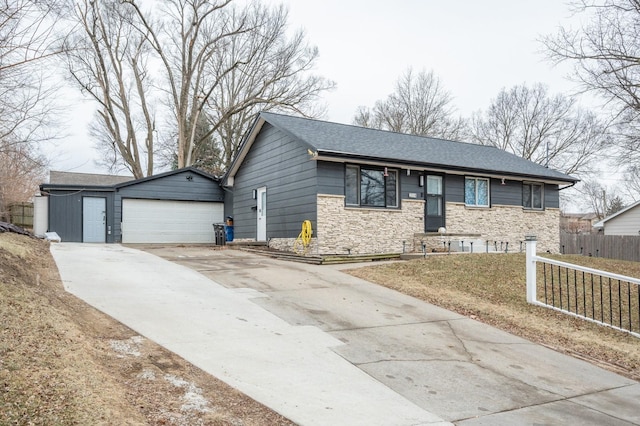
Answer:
(475, 47)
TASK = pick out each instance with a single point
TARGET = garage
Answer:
(164, 221)
(179, 206)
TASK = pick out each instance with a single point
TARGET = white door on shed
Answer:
(94, 219)
(162, 221)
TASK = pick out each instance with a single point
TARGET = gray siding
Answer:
(627, 223)
(551, 196)
(509, 194)
(330, 178)
(410, 184)
(454, 188)
(280, 163)
(65, 213)
(174, 187)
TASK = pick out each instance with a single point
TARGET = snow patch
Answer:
(147, 374)
(129, 347)
(193, 398)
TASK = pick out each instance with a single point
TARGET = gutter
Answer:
(46, 187)
(568, 186)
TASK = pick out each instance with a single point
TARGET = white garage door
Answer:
(160, 221)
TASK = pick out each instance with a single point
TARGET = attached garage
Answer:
(168, 221)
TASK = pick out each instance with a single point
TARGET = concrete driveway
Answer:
(324, 348)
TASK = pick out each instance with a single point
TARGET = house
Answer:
(578, 223)
(373, 191)
(179, 206)
(624, 222)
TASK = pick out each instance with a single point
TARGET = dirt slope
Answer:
(63, 362)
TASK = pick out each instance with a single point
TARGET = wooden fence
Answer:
(22, 214)
(623, 247)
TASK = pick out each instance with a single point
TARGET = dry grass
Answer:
(491, 288)
(65, 363)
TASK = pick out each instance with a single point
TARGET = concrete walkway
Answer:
(324, 348)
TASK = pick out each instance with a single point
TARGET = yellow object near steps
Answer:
(303, 241)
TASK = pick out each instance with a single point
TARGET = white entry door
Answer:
(262, 214)
(94, 219)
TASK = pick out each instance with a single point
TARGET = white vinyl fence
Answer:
(601, 297)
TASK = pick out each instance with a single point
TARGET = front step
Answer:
(239, 244)
(315, 260)
(283, 255)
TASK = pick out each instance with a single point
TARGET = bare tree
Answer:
(549, 130)
(602, 200)
(631, 186)
(593, 197)
(419, 106)
(27, 41)
(186, 37)
(212, 60)
(605, 53)
(27, 103)
(21, 171)
(109, 62)
(272, 72)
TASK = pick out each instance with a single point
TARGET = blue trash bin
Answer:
(228, 231)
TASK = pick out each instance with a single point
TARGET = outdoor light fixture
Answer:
(189, 178)
(421, 183)
(254, 194)
(502, 183)
(386, 172)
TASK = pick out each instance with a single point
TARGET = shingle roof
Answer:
(88, 179)
(346, 140)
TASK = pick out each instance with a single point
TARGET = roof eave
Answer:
(189, 169)
(616, 214)
(66, 187)
(245, 146)
(328, 155)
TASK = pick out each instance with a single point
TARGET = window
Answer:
(434, 195)
(371, 187)
(351, 186)
(532, 196)
(434, 208)
(476, 192)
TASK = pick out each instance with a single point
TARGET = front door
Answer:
(262, 214)
(94, 219)
(434, 203)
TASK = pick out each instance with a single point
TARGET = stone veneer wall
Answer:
(506, 223)
(356, 230)
(289, 244)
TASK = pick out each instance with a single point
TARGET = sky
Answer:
(476, 48)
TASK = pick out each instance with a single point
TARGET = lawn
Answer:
(491, 288)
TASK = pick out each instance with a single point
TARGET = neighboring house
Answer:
(174, 207)
(578, 223)
(372, 191)
(624, 222)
